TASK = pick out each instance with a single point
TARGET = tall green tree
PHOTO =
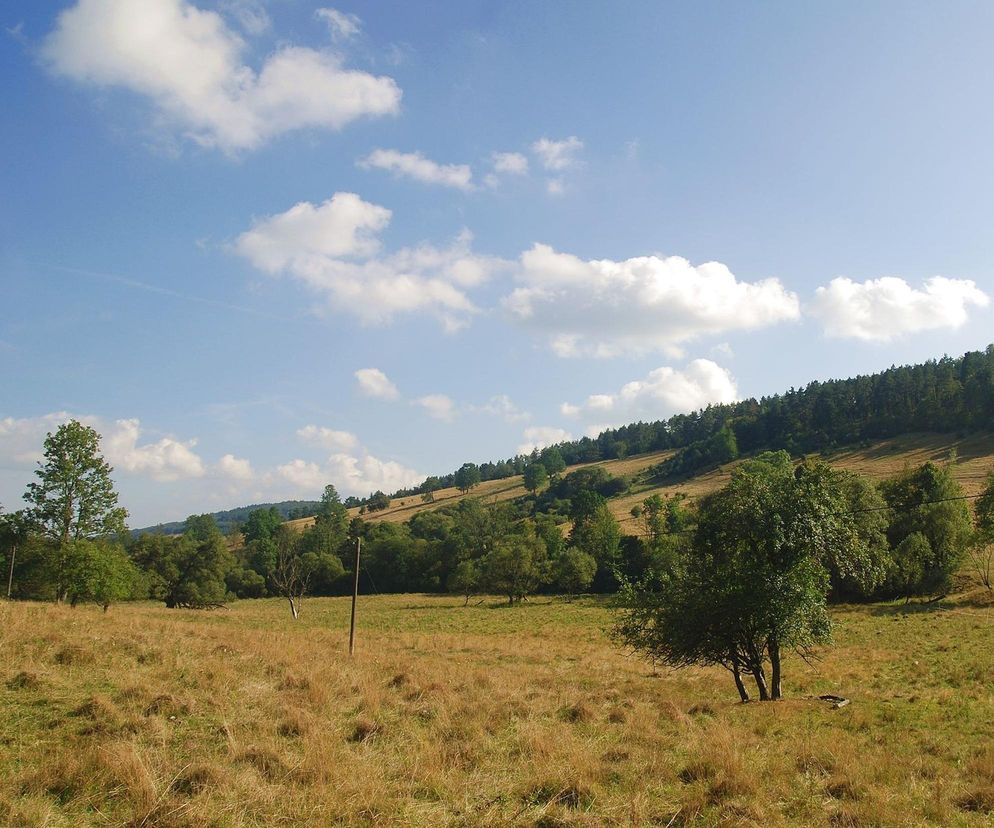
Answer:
(187, 571)
(926, 501)
(535, 477)
(74, 498)
(518, 565)
(754, 580)
(467, 477)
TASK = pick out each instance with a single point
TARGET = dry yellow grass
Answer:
(481, 715)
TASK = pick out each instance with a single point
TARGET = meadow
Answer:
(481, 715)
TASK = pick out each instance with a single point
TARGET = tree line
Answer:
(945, 395)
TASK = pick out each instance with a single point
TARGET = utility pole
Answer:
(10, 578)
(355, 594)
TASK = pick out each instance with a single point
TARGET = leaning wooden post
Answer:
(10, 578)
(355, 594)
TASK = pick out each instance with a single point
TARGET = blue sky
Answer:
(262, 246)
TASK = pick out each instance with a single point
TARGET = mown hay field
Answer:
(480, 715)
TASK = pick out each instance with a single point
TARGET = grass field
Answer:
(480, 715)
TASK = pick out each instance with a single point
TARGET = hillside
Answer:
(878, 460)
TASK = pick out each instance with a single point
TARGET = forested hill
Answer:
(945, 395)
(231, 519)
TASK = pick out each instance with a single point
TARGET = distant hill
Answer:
(231, 519)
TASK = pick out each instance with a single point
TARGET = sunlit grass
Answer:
(480, 715)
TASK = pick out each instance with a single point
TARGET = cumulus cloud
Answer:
(501, 405)
(341, 440)
(163, 460)
(332, 248)
(341, 25)
(344, 226)
(884, 309)
(663, 392)
(438, 406)
(251, 15)
(605, 308)
(557, 155)
(538, 437)
(511, 163)
(190, 64)
(415, 165)
(353, 471)
(235, 468)
(374, 383)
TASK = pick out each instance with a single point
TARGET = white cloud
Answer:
(349, 473)
(438, 406)
(235, 468)
(331, 248)
(164, 460)
(366, 474)
(887, 308)
(557, 155)
(250, 14)
(344, 226)
(339, 441)
(341, 25)
(374, 383)
(190, 64)
(512, 163)
(605, 308)
(538, 437)
(304, 476)
(501, 405)
(167, 459)
(662, 393)
(555, 187)
(415, 165)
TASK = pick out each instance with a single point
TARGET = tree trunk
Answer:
(467, 600)
(294, 611)
(759, 674)
(774, 650)
(737, 675)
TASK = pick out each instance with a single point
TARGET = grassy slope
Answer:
(877, 461)
(479, 715)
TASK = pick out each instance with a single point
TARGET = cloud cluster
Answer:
(605, 308)
(662, 393)
(415, 165)
(341, 25)
(349, 466)
(538, 437)
(881, 310)
(190, 64)
(510, 163)
(557, 156)
(163, 460)
(333, 247)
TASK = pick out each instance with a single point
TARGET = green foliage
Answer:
(377, 502)
(535, 477)
(74, 498)
(754, 579)
(518, 564)
(553, 461)
(923, 501)
(261, 524)
(574, 571)
(465, 579)
(187, 571)
(467, 478)
(596, 533)
(100, 572)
